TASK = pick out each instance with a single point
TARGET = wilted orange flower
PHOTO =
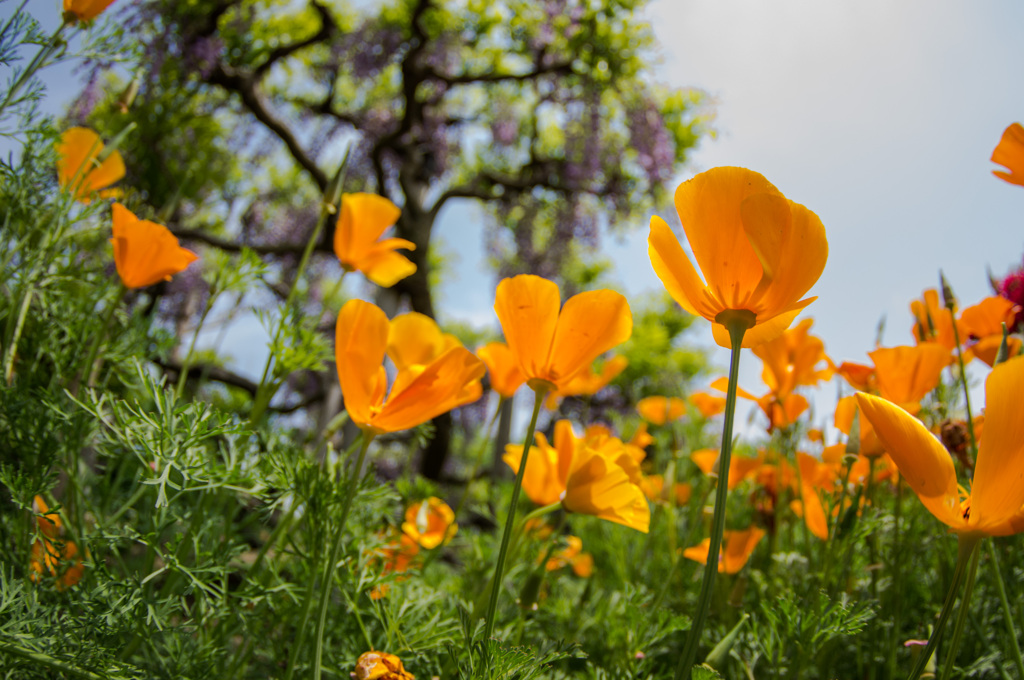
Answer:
(78, 166)
(758, 251)
(146, 252)
(396, 557)
(739, 546)
(50, 555)
(502, 368)
(552, 346)
(588, 381)
(430, 523)
(419, 392)
(85, 10)
(708, 404)
(1010, 154)
(380, 666)
(598, 475)
(995, 504)
(660, 410)
(357, 239)
(582, 563)
(932, 321)
(983, 330)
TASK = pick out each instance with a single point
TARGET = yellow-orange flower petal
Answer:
(983, 330)
(357, 239)
(588, 381)
(1010, 154)
(660, 410)
(145, 252)
(708, 404)
(419, 392)
(598, 485)
(502, 367)
(932, 321)
(921, 458)
(756, 249)
(78, 168)
(430, 523)
(85, 10)
(906, 374)
(736, 551)
(553, 346)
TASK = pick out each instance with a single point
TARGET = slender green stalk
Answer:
(38, 61)
(966, 546)
(961, 619)
(88, 371)
(963, 371)
(187, 361)
(479, 459)
(1004, 605)
(737, 322)
(510, 520)
(328, 583)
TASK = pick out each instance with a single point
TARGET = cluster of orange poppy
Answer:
(758, 254)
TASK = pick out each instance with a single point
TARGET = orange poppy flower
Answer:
(430, 523)
(983, 330)
(587, 381)
(380, 666)
(740, 467)
(739, 546)
(419, 391)
(656, 491)
(660, 410)
(1010, 154)
(79, 169)
(146, 252)
(357, 239)
(50, 555)
(598, 475)
(906, 374)
(782, 409)
(932, 321)
(573, 556)
(796, 358)
(85, 10)
(861, 377)
(502, 368)
(869, 444)
(552, 346)
(758, 251)
(708, 404)
(995, 504)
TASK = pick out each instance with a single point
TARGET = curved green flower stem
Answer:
(737, 321)
(541, 390)
(961, 619)
(1004, 605)
(187, 361)
(967, 545)
(332, 198)
(479, 456)
(328, 581)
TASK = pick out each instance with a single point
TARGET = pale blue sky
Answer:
(878, 116)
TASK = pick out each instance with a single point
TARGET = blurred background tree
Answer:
(545, 113)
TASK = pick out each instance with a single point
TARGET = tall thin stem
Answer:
(1004, 605)
(737, 322)
(328, 584)
(479, 458)
(965, 605)
(510, 520)
(966, 546)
